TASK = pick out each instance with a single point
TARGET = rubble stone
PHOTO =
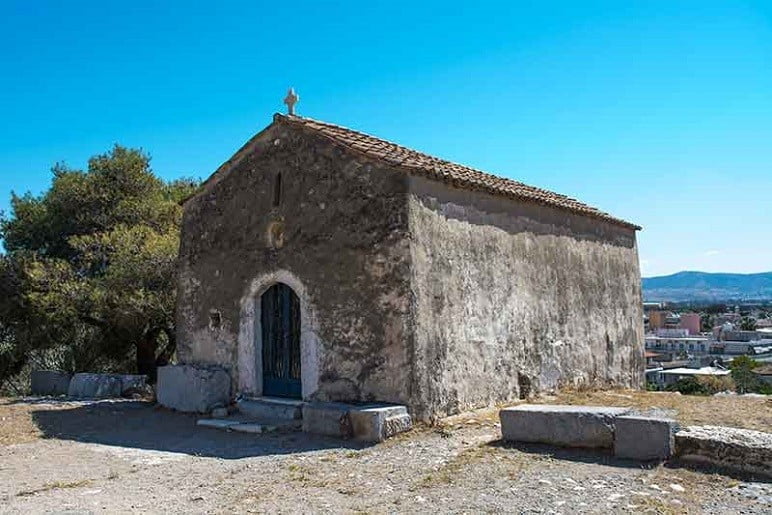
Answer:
(743, 450)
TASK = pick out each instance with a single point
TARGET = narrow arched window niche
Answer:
(277, 190)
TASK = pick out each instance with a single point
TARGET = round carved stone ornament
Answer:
(275, 235)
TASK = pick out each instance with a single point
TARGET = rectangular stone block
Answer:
(95, 386)
(192, 388)
(50, 382)
(565, 426)
(327, 418)
(377, 423)
(644, 438)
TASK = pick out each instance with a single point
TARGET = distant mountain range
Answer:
(703, 286)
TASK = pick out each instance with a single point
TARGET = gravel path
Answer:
(120, 457)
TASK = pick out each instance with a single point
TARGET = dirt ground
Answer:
(132, 457)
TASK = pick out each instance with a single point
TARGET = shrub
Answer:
(702, 385)
(688, 386)
(742, 373)
(716, 384)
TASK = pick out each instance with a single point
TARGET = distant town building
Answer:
(692, 322)
(657, 319)
(732, 318)
(678, 344)
(672, 332)
(736, 348)
(675, 346)
(663, 319)
(668, 377)
(763, 323)
(742, 336)
(764, 373)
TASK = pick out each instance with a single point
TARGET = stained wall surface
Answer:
(511, 298)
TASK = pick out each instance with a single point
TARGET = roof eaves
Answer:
(442, 170)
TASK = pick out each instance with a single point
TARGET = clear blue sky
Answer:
(657, 112)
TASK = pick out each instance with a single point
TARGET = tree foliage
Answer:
(748, 324)
(702, 385)
(88, 276)
(742, 373)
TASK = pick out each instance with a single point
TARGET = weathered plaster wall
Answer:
(344, 240)
(510, 297)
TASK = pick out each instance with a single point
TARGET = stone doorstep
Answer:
(249, 426)
(367, 423)
(217, 423)
(278, 400)
(271, 407)
(254, 428)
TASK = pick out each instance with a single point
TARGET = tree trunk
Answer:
(146, 350)
(171, 347)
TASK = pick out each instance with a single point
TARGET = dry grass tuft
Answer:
(55, 486)
(305, 476)
(730, 410)
(16, 424)
(453, 470)
(657, 505)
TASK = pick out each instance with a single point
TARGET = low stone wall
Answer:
(193, 389)
(738, 449)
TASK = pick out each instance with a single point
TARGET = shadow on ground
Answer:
(595, 456)
(143, 425)
(606, 457)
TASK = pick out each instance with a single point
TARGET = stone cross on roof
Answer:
(291, 99)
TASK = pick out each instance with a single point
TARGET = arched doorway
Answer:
(280, 327)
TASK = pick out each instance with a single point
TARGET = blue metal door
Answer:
(280, 321)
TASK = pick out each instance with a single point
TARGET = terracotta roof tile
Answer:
(446, 171)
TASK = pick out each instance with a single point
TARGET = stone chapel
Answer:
(323, 264)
